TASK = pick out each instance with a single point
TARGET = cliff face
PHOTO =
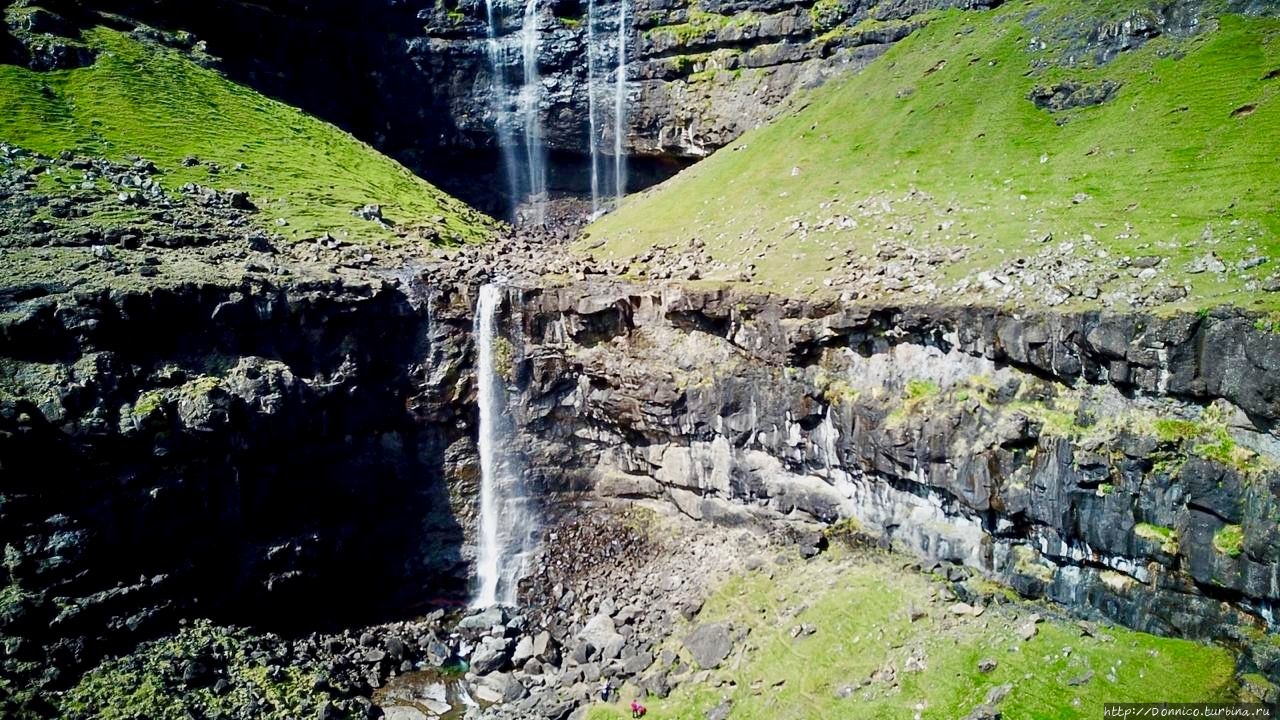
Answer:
(300, 453)
(265, 453)
(1123, 465)
(698, 73)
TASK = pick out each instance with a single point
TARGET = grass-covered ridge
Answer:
(938, 145)
(139, 99)
(868, 658)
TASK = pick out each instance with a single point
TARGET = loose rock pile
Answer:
(608, 589)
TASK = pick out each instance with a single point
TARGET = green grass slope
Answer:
(868, 659)
(144, 100)
(937, 145)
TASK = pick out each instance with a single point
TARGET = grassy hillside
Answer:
(140, 99)
(868, 659)
(938, 146)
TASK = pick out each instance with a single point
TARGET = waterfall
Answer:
(508, 524)
(530, 95)
(501, 111)
(593, 138)
(530, 181)
(619, 108)
(525, 160)
(599, 55)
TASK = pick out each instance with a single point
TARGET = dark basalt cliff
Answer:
(1123, 465)
(265, 453)
(299, 454)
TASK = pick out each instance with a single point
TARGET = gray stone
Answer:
(524, 650)
(1209, 262)
(582, 652)
(492, 654)
(498, 687)
(483, 620)
(984, 712)
(709, 644)
(637, 664)
(403, 712)
(998, 693)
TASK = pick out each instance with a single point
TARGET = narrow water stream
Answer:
(508, 516)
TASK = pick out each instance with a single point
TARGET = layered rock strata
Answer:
(1122, 465)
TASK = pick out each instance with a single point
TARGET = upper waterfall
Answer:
(607, 56)
(515, 38)
(620, 108)
(524, 160)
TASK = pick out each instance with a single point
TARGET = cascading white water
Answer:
(593, 137)
(508, 521)
(530, 96)
(619, 108)
(530, 181)
(607, 55)
(501, 109)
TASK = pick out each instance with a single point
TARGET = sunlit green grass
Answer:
(859, 607)
(138, 99)
(946, 112)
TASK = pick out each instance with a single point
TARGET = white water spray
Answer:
(620, 108)
(508, 524)
(592, 133)
(524, 161)
(501, 110)
(606, 56)
(530, 96)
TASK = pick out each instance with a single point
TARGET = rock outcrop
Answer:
(261, 452)
(1124, 465)
(297, 453)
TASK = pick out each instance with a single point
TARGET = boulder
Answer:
(498, 688)
(524, 651)
(492, 654)
(709, 644)
(483, 620)
(721, 711)
(403, 712)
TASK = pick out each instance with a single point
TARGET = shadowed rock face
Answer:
(270, 454)
(1035, 448)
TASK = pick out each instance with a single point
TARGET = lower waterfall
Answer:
(508, 527)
